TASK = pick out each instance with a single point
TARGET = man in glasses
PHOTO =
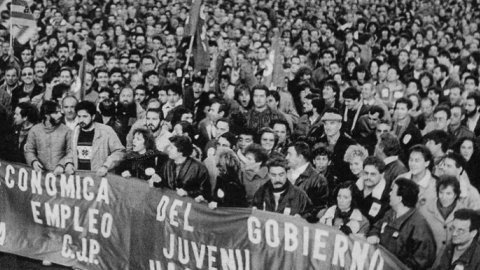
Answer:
(28, 87)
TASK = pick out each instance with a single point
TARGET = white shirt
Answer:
(389, 160)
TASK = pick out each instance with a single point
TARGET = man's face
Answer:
(418, 64)
(17, 117)
(271, 102)
(281, 132)
(456, 117)
(332, 128)
(162, 96)
(321, 163)
(417, 163)
(222, 127)
(293, 158)
(63, 54)
(188, 117)
(173, 97)
(68, 108)
(27, 75)
(350, 103)
(392, 75)
(470, 85)
(99, 61)
(278, 176)
(27, 56)
(461, 232)
(430, 64)
(259, 98)
(56, 117)
(395, 200)
(441, 120)
(197, 90)
(126, 96)
(455, 96)
(382, 129)
(371, 175)
(470, 107)
(102, 79)
(373, 120)
(65, 77)
(307, 106)
(401, 111)
(153, 121)
(11, 77)
(40, 68)
(147, 65)
(367, 91)
(382, 72)
(214, 113)
(437, 74)
(140, 95)
(244, 141)
(449, 167)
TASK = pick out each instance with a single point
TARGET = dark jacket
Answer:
(340, 168)
(458, 134)
(376, 204)
(470, 259)
(315, 185)
(409, 237)
(136, 163)
(229, 191)
(292, 201)
(192, 177)
(116, 125)
(409, 138)
(393, 170)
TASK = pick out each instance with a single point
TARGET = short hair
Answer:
(376, 109)
(277, 162)
(390, 144)
(260, 87)
(176, 88)
(230, 137)
(88, 106)
(445, 181)
(48, 107)
(356, 194)
(266, 130)
(444, 108)
(322, 150)
(457, 158)
(29, 111)
(475, 97)
(258, 152)
(275, 95)
(355, 150)
(468, 214)
(148, 137)
(248, 131)
(443, 68)
(424, 151)
(408, 190)
(404, 100)
(183, 144)
(187, 128)
(302, 148)
(376, 162)
(439, 137)
(280, 122)
(224, 107)
(157, 111)
(177, 114)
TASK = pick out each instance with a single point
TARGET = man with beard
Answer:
(106, 115)
(279, 195)
(140, 42)
(48, 146)
(96, 147)
(24, 118)
(63, 52)
(471, 111)
(128, 111)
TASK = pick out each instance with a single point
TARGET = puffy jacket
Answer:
(50, 146)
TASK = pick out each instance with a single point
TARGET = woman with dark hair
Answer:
(144, 160)
(361, 76)
(467, 147)
(426, 81)
(414, 86)
(350, 66)
(228, 191)
(373, 68)
(345, 215)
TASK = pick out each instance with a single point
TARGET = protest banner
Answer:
(117, 223)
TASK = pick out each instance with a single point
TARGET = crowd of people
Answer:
(373, 127)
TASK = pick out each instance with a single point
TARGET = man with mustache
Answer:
(96, 147)
(471, 111)
(48, 146)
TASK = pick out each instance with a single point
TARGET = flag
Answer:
(21, 14)
(195, 28)
(79, 88)
(278, 76)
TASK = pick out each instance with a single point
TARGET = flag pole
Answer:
(190, 47)
(186, 96)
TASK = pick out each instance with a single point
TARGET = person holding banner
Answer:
(279, 195)
(48, 145)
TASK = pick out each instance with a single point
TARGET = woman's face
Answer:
(344, 199)
(373, 68)
(328, 92)
(138, 143)
(412, 88)
(244, 99)
(356, 166)
(446, 196)
(267, 141)
(361, 75)
(425, 82)
(466, 150)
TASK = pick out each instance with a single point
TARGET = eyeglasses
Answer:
(27, 74)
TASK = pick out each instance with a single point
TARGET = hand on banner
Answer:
(154, 179)
(200, 199)
(126, 174)
(181, 192)
(58, 170)
(70, 169)
(373, 240)
(213, 205)
(102, 171)
(37, 166)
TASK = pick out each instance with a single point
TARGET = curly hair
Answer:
(148, 137)
(355, 150)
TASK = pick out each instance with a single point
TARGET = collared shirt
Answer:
(297, 172)
(472, 122)
(391, 159)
